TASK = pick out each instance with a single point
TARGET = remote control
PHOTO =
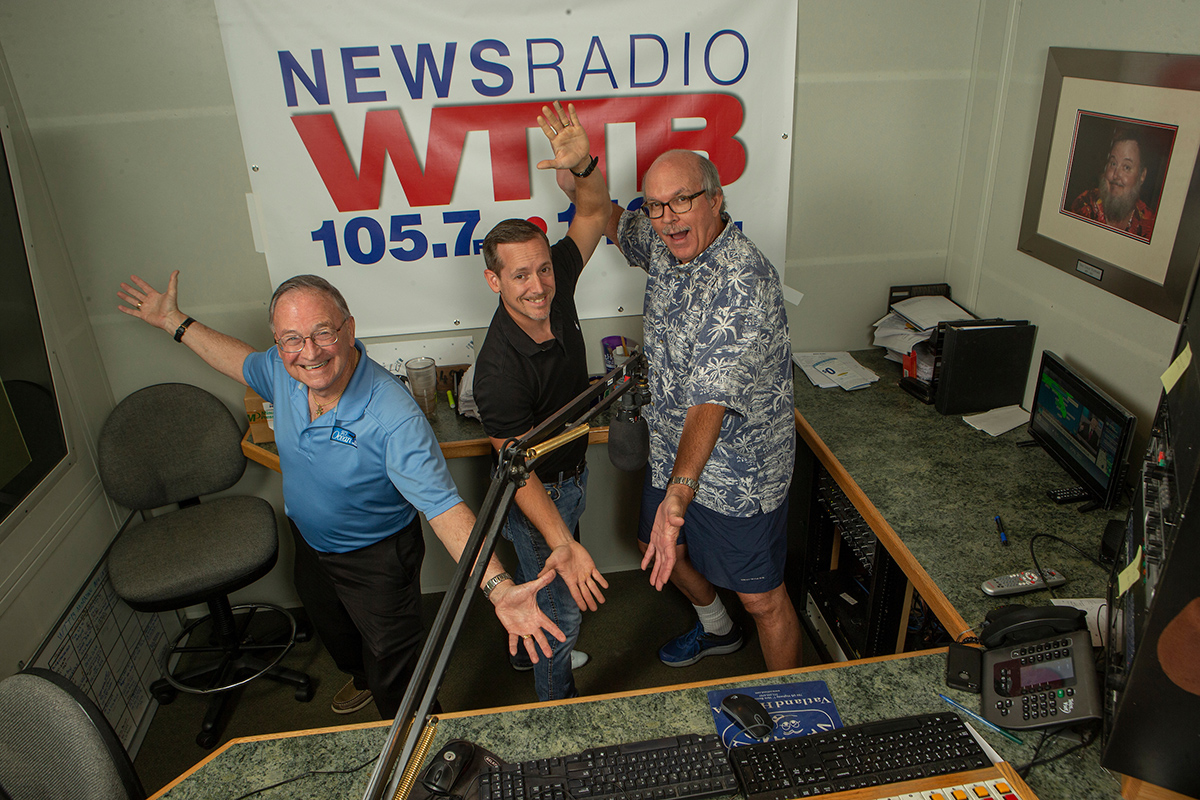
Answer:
(1020, 582)
(1075, 494)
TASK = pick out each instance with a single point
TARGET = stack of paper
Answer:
(826, 370)
(912, 320)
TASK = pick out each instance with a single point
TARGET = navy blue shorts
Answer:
(743, 554)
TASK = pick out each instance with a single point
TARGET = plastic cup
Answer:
(422, 382)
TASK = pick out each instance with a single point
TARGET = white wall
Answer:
(49, 544)
(1120, 346)
(881, 94)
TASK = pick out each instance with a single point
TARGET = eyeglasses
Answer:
(680, 205)
(321, 338)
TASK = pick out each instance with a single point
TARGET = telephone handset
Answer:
(1038, 669)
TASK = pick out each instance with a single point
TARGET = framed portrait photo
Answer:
(1114, 191)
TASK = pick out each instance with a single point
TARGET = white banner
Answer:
(384, 142)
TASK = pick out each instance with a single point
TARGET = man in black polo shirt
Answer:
(531, 364)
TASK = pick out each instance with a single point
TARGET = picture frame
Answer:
(1118, 131)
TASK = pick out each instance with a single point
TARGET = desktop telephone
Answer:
(1038, 670)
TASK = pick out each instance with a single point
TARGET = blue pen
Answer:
(980, 719)
(1000, 527)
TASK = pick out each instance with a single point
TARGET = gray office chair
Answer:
(57, 745)
(170, 444)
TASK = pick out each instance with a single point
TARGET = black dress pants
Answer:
(366, 607)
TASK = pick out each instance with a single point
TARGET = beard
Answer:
(1117, 207)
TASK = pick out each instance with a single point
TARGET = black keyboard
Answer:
(857, 756)
(679, 768)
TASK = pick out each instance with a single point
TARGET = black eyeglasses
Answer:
(322, 337)
(680, 205)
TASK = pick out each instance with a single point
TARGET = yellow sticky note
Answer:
(1177, 368)
(1130, 574)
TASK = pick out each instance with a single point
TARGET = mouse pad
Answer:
(796, 709)
(466, 785)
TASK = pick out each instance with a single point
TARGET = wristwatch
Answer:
(691, 483)
(588, 169)
(494, 582)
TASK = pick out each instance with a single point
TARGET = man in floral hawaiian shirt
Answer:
(722, 424)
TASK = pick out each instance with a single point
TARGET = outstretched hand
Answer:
(574, 563)
(568, 139)
(668, 519)
(519, 614)
(149, 305)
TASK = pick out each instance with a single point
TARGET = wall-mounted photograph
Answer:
(1115, 172)
(1114, 196)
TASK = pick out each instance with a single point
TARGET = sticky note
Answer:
(1130, 574)
(1177, 368)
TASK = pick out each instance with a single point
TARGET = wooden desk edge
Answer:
(458, 449)
(917, 575)
(525, 706)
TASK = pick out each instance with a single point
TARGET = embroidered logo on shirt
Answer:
(342, 435)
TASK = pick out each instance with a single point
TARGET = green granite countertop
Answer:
(862, 691)
(939, 482)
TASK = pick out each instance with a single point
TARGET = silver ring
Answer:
(139, 302)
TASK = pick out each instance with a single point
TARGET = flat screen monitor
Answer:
(1083, 429)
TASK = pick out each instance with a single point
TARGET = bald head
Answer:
(676, 176)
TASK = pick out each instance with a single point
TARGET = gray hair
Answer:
(313, 283)
(710, 179)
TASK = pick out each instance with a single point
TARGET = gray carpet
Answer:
(622, 638)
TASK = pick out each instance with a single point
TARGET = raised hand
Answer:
(151, 306)
(568, 139)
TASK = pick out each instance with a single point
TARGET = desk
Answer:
(863, 690)
(929, 486)
(459, 437)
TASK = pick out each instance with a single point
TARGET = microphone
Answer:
(628, 433)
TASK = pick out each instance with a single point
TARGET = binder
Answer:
(984, 365)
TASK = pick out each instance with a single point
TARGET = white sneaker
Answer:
(578, 659)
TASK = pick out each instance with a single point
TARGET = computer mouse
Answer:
(748, 714)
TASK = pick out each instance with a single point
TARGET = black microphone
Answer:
(628, 434)
(628, 440)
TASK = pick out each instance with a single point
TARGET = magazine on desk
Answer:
(797, 709)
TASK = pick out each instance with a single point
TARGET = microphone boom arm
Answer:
(516, 459)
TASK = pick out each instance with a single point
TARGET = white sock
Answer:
(714, 617)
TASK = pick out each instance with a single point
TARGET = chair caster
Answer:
(306, 692)
(304, 630)
(164, 692)
(207, 739)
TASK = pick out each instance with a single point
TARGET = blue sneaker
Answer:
(685, 650)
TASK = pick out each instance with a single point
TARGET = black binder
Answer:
(984, 365)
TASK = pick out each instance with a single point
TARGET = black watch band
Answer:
(182, 329)
(590, 167)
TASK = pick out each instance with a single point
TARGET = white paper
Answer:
(1097, 615)
(926, 311)
(998, 420)
(826, 370)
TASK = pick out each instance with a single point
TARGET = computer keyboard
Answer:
(857, 756)
(685, 767)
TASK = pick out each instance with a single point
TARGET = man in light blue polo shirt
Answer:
(359, 461)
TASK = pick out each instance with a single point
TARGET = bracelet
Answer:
(494, 582)
(588, 170)
(691, 483)
(183, 326)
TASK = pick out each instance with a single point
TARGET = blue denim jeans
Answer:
(552, 677)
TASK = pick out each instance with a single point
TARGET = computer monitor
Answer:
(1083, 429)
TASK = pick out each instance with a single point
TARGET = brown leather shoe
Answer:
(349, 699)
